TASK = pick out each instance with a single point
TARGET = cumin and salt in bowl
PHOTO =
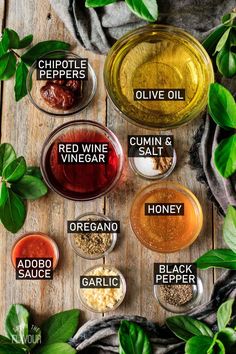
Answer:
(158, 76)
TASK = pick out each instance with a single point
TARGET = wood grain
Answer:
(137, 261)
(26, 129)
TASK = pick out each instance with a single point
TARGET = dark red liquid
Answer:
(81, 180)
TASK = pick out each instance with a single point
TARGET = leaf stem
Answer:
(16, 54)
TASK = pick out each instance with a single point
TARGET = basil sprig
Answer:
(223, 258)
(222, 108)
(133, 339)
(221, 44)
(200, 338)
(145, 9)
(25, 338)
(12, 63)
(17, 184)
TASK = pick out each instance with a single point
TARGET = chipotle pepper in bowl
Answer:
(62, 94)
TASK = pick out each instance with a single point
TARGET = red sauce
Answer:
(35, 246)
(82, 180)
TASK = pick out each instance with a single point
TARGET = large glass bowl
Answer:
(70, 182)
(158, 57)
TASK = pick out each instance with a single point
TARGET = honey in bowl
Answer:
(170, 232)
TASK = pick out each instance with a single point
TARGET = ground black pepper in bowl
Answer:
(179, 298)
(176, 295)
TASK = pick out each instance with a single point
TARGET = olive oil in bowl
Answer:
(158, 76)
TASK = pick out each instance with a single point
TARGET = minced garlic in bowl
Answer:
(102, 296)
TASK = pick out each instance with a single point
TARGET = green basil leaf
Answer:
(229, 19)
(198, 344)
(226, 61)
(15, 170)
(60, 327)
(10, 349)
(222, 40)
(10, 39)
(3, 193)
(7, 155)
(98, 3)
(211, 41)
(225, 156)
(7, 66)
(2, 50)
(41, 49)
(13, 213)
(232, 38)
(221, 258)
(133, 339)
(26, 41)
(220, 346)
(228, 337)
(229, 228)
(185, 327)
(4, 340)
(145, 9)
(34, 171)
(224, 314)
(17, 324)
(222, 106)
(20, 81)
(29, 187)
(56, 348)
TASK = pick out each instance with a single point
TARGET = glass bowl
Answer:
(196, 300)
(78, 251)
(157, 57)
(81, 181)
(33, 87)
(122, 283)
(166, 233)
(41, 235)
(133, 165)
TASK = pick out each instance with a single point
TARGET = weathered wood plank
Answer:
(133, 259)
(26, 129)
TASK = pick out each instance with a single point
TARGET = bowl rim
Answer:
(58, 114)
(183, 189)
(114, 140)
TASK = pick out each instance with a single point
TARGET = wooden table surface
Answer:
(26, 128)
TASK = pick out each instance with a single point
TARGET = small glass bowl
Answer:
(157, 176)
(79, 252)
(46, 237)
(34, 86)
(143, 229)
(196, 300)
(122, 282)
(72, 128)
